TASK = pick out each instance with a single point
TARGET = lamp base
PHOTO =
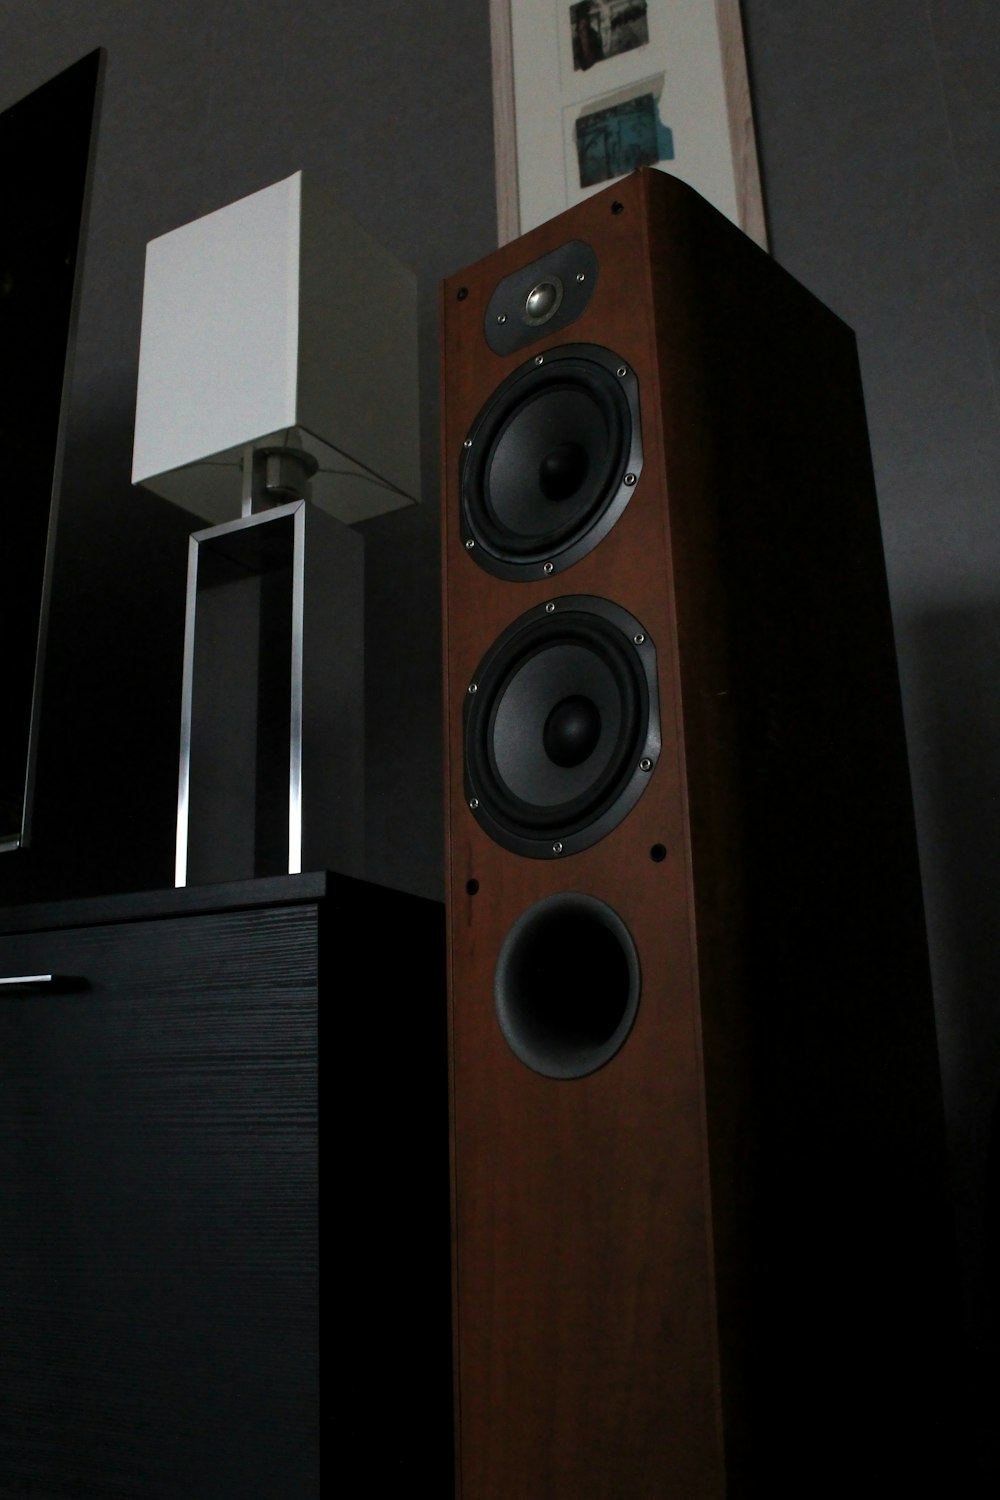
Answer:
(271, 774)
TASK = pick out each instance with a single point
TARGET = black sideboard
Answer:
(160, 1100)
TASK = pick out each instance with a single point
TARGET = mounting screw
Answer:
(547, 567)
(501, 317)
(630, 480)
(473, 687)
(617, 208)
(462, 293)
(473, 803)
(557, 848)
(638, 638)
(622, 371)
(469, 545)
(581, 275)
(550, 608)
(539, 359)
(645, 764)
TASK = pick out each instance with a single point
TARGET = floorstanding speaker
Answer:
(701, 1238)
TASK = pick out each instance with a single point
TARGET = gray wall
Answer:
(879, 130)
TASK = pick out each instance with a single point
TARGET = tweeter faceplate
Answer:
(520, 309)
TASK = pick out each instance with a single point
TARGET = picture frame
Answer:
(585, 90)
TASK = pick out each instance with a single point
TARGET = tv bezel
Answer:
(76, 90)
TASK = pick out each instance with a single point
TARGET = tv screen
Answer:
(45, 154)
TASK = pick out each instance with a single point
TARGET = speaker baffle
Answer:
(566, 985)
(550, 462)
(561, 726)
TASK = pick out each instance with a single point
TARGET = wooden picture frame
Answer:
(536, 96)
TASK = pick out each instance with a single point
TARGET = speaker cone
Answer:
(550, 462)
(561, 726)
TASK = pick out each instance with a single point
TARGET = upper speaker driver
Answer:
(550, 462)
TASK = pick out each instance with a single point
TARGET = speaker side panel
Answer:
(830, 1211)
(587, 1359)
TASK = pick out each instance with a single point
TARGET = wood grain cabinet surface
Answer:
(159, 1247)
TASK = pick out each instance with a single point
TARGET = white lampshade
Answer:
(277, 320)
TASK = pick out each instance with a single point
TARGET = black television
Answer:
(46, 152)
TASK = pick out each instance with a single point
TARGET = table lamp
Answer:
(277, 400)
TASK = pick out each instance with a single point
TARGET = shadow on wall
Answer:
(955, 655)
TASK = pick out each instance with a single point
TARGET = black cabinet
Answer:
(159, 1103)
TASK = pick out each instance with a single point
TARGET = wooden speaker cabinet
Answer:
(701, 1244)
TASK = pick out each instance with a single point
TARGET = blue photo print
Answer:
(616, 140)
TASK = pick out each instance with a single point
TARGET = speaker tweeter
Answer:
(542, 297)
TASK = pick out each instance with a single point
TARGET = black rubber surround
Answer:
(561, 727)
(566, 985)
(550, 462)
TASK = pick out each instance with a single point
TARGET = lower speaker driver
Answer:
(561, 726)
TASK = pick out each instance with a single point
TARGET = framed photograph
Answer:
(585, 91)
